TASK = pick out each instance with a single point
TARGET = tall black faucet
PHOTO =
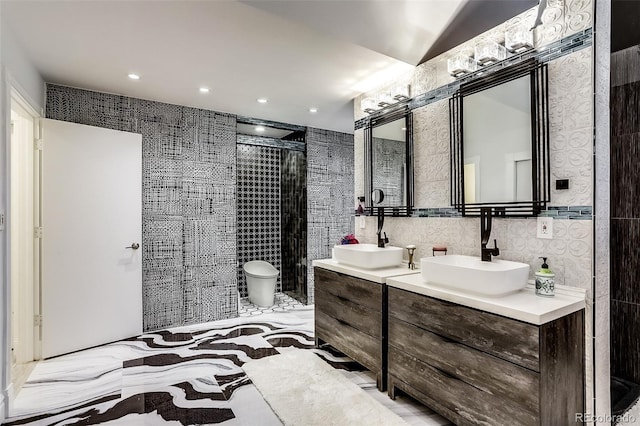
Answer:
(381, 240)
(485, 233)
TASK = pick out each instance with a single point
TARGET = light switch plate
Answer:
(545, 227)
(360, 222)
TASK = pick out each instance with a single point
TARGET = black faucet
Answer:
(381, 241)
(485, 233)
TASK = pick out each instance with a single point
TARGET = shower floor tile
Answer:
(186, 375)
(282, 302)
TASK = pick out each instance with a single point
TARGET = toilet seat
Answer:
(260, 269)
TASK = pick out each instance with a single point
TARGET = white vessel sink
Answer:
(368, 256)
(470, 274)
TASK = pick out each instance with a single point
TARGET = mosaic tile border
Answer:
(548, 53)
(557, 212)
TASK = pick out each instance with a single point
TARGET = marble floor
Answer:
(186, 375)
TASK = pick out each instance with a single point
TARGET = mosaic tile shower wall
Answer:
(293, 174)
(189, 200)
(259, 208)
(330, 196)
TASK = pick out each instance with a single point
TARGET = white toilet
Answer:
(261, 282)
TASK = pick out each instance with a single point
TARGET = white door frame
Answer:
(14, 94)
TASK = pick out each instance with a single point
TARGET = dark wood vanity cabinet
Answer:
(349, 316)
(474, 367)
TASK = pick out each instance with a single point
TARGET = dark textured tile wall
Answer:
(625, 260)
(625, 344)
(293, 178)
(330, 194)
(624, 109)
(625, 214)
(259, 221)
(188, 211)
(625, 175)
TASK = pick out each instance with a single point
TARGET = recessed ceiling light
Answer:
(133, 76)
(204, 90)
(313, 109)
(262, 100)
(259, 129)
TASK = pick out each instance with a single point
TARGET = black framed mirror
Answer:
(389, 163)
(499, 142)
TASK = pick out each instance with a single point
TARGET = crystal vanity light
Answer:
(518, 39)
(401, 92)
(393, 95)
(369, 105)
(489, 52)
(385, 99)
(460, 65)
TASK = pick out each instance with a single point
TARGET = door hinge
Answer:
(2, 220)
(39, 144)
(38, 231)
(37, 320)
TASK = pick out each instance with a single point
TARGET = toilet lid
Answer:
(260, 268)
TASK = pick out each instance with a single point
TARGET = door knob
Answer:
(134, 246)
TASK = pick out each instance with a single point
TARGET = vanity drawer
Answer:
(505, 338)
(355, 344)
(461, 402)
(485, 372)
(361, 292)
(358, 316)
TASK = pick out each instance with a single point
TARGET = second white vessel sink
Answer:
(368, 256)
(470, 274)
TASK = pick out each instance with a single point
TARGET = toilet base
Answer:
(262, 300)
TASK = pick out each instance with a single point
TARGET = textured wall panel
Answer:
(188, 197)
(330, 197)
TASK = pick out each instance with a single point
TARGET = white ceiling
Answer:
(297, 54)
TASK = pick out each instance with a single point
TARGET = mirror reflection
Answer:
(497, 143)
(388, 162)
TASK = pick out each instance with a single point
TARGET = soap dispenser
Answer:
(545, 280)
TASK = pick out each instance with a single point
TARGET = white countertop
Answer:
(375, 275)
(523, 305)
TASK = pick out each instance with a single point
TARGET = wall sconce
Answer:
(518, 39)
(460, 65)
(369, 105)
(489, 52)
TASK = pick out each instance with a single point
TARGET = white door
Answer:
(92, 215)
